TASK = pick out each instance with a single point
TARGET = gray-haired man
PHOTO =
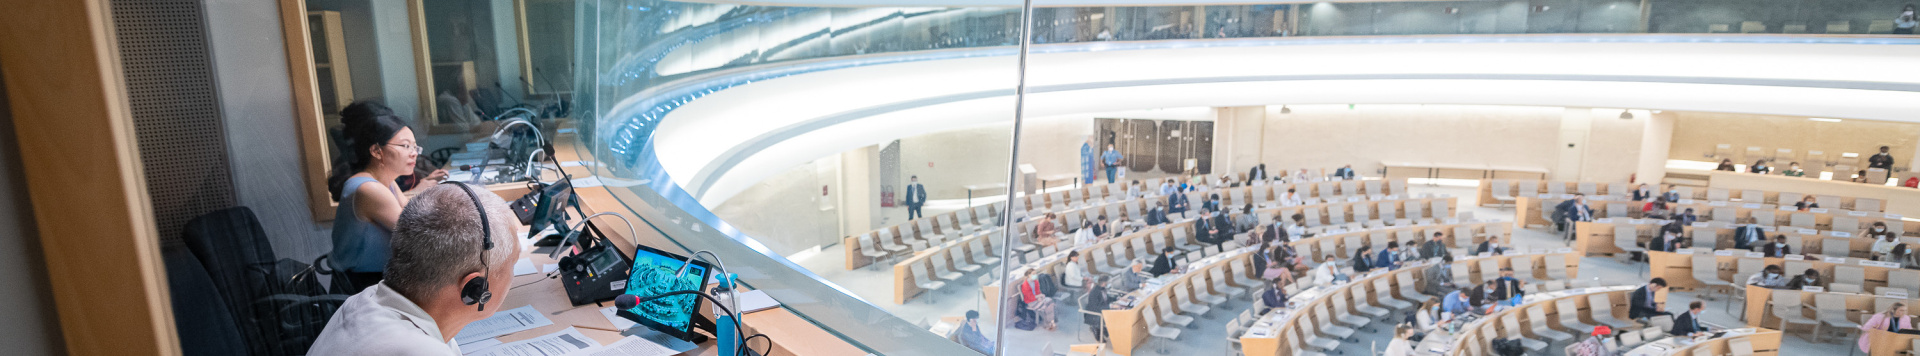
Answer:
(433, 284)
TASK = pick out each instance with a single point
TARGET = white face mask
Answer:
(1879, 229)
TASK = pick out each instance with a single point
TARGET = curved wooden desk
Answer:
(1677, 268)
(1764, 342)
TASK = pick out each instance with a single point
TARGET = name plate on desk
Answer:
(1857, 213)
(1794, 257)
(1833, 259)
(1510, 253)
(1788, 208)
(1839, 234)
(1486, 254)
(1686, 201)
(1898, 293)
(1815, 289)
(1717, 203)
(1684, 251)
(1880, 264)
(1700, 224)
(1809, 232)
(1539, 251)
(1818, 210)
(1750, 206)
(1891, 216)
(1636, 221)
(1563, 250)
(1453, 221)
(1756, 254)
(1353, 199)
(1603, 221)
(1723, 253)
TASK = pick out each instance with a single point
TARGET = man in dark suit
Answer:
(1506, 288)
(1748, 236)
(1177, 204)
(1163, 263)
(1212, 203)
(1642, 193)
(1437, 247)
(1779, 247)
(1100, 228)
(1225, 229)
(1157, 215)
(1572, 211)
(1258, 173)
(1481, 295)
(916, 197)
(1688, 323)
(1672, 195)
(1489, 246)
(1345, 172)
(1207, 227)
(1389, 258)
(1644, 304)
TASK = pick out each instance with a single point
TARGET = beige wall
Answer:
(1695, 134)
(784, 212)
(1613, 145)
(1333, 135)
(959, 158)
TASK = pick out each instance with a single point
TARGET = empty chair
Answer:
(1718, 194)
(1313, 339)
(1705, 238)
(1341, 316)
(1842, 26)
(959, 260)
(1754, 196)
(1629, 339)
(1556, 266)
(1361, 305)
(1223, 284)
(1867, 204)
(1461, 276)
(1350, 188)
(1537, 321)
(1337, 214)
(1827, 201)
(1180, 241)
(1848, 279)
(1619, 189)
(1183, 297)
(1313, 217)
(1600, 308)
(1557, 188)
(1589, 188)
(1415, 211)
(1617, 210)
(1326, 190)
(1502, 191)
(1905, 279)
(875, 253)
(1705, 269)
(1764, 217)
(1361, 213)
(1528, 188)
(1373, 188)
(1407, 291)
(1388, 210)
(1399, 187)
(1523, 268)
(1171, 316)
(1383, 295)
(1786, 306)
(1204, 294)
(1741, 346)
(1155, 329)
(1333, 328)
(1441, 210)
(1845, 223)
(1788, 198)
(1725, 214)
(1626, 237)
(921, 279)
(1801, 220)
(1511, 322)
(1685, 192)
(1831, 310)
(1835, 247)
(940, 269)
(1570, 315)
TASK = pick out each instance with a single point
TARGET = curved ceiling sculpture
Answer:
(728, 140)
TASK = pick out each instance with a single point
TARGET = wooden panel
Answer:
(83, 174)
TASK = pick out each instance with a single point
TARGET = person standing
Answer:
(916, 197)
(1894, 319)
(1111, 159)
(1904, 24)
(1884, 160)
(1644, 303)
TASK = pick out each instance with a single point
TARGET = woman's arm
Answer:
(377, 203)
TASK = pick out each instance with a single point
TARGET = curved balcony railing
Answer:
(639, 60)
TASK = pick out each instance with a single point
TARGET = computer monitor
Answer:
(652, 275)
(551, 209)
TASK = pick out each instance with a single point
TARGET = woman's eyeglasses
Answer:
(408, 146)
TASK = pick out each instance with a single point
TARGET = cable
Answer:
(769, 348)
(716, 303)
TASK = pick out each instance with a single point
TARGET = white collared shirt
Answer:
(380, 321)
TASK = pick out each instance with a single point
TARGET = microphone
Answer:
(626, 301)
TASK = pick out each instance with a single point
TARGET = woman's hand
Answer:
(438, 175)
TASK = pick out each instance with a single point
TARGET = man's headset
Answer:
(475, 292)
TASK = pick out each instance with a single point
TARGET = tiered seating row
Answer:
(1602, 236)
(1538, 210)
(1504, 191)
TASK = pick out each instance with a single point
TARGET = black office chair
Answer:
(277, 308)
(199, 312)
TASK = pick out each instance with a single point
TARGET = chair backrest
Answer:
(1754, 196)
(1511, 322)
(1685, 192)
(1461, 276)
(1529, 188)
(1705, 267)
(1590, 188)
(1415, 211)
(1381, 289)
(1849, 275)
(1866, 204)
(1827, 201)
(1798, 267)
(1705, 237)
(1537, 316)
(1502, 188)
(1902, 278)
(1786, 301)
(1718, 194)
(1313, 216)
(1463, 236)
(919, 269)
(1625, 236)
(1629, 339)
(1569, 310)
(1764, 217)
(1489, 267)
(1740, 346)
(1803, 220)
(1556, 267)
(1836, 247)
(1522, 267)
(1845, 223)
(1617, 210)
(1388, 210)
(1599, 304)
(1337, 214)
(1139, 248)
(1724, 214)
(1441, 210)
(1557, 188)
(1619, 189)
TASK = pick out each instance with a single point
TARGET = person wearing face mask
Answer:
(1489, 246)
(1328, 273)
(1428, 317)
(1793, 170)
(1809, 279)
(1904, 24)
(1746, 237)
(1771, 277)
(1883, 244)
(1642, 193)
(1292, 198)
(1894, 319)
(1806, 203)
(1672, 195)
(1778, 248)
(1663, 242)
(1879, 227)
(1726, 165)
(1685, 217)
(1759, 167)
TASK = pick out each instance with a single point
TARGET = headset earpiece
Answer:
(476, 291)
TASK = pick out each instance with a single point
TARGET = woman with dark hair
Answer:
(1759, 167)
(380, 148)
(1726, 165)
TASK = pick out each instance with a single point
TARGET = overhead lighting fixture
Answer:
(1822, 119)
(1626, 115)
(1284, 110)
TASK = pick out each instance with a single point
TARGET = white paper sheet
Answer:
(619, 323)
(630, 346)
(477, 345)
(559, 343)
(524, 267)
(504, 322)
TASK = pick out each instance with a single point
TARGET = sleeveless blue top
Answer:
(358, 245)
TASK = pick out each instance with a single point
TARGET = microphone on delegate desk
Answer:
(626, 301)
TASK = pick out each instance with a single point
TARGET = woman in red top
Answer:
(1037, 301)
